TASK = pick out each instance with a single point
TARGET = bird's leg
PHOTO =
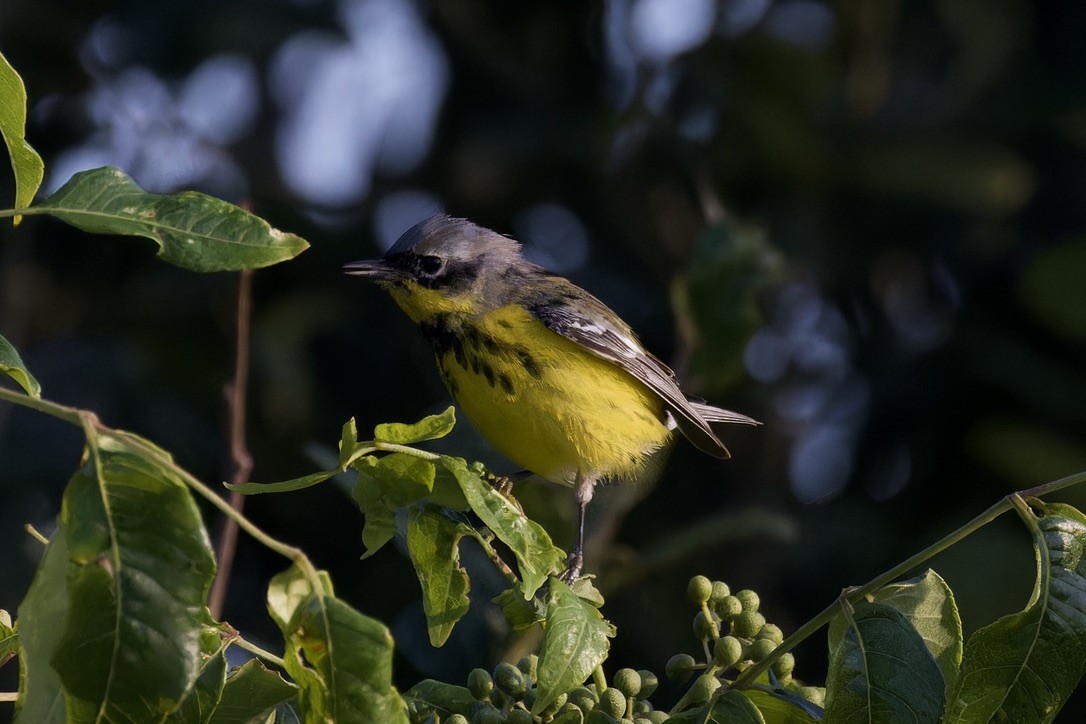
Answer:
(575, 562)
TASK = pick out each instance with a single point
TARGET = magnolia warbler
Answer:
(553, 378)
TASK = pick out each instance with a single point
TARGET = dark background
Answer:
(861, 223)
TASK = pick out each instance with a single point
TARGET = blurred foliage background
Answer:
(860, 222)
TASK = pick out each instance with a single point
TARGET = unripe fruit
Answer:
(728, 607)
(658, 717)
(488, 716)
(583, 698)
(480, 684)
(813, 694)
(528, 666)
(749, 599)
(772, 632)
(679, 667)
(649, 682)
(760, 649)
(612, 702)
(699, 589)
(641, 707)
(702, 628)
(628, 681)
(509, 679)
(727, 651)
(518, 716)
(456, 719)
(720, 590)
(702, 689)
(747, 624)
(784, 666)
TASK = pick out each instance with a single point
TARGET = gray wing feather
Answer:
(602, 332)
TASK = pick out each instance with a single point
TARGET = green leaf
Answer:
(285, 486)
(252, 694)
(880, 669)
(574, 644)
(140, 565)
(928, 603)
(537, 556)
(447, 698)
(433, 542)
(400, 477)
(732, 707)
(428, 428)
(25, 161)
(194, 231)
(340, 659)
(348, 443)
(12, 365)
(1025, 665)
(520, 614)
(200, 702)
(383, 485)
(41, 614)
(9, 640)
(778, 709)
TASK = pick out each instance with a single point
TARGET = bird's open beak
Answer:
(376, 269)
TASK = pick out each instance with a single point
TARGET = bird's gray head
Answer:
(443, 262)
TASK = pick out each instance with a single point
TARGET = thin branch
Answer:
(240, 458)
(259, 652)
(853, 595)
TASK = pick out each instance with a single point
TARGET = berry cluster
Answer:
(734, 635)
(506, 696)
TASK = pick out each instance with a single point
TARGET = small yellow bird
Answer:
(553, 378)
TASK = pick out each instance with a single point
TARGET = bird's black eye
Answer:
(430, 265)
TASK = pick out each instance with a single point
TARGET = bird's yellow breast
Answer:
(545, 402)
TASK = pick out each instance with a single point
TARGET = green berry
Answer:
(509, 679)
(747, 624)
(772, 632)
(728, 607)
(784, 666)
(583, 698)
(813, 694)
(727, 651)
(658, 717)
(720, 590)
(702, 689)
(641, 707)
(628, 681)
(518, 716)
(489, 715)
(760, 649)
(699, 589)
(613, 702)
(480, 684)
(528, 666)
(749, 599)
(649, 682)
(456, 719)
(679, 667)
(702, 628)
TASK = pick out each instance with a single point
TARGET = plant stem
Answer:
(89, 422)
(240, 457)
(257, 651)
(855, 594)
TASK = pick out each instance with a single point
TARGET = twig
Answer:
(240, 458)
(851, 595)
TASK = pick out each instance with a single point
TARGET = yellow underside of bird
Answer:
(547, 403)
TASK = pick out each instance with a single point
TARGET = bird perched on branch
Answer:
(553, 378)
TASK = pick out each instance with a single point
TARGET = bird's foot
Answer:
(574, 565)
